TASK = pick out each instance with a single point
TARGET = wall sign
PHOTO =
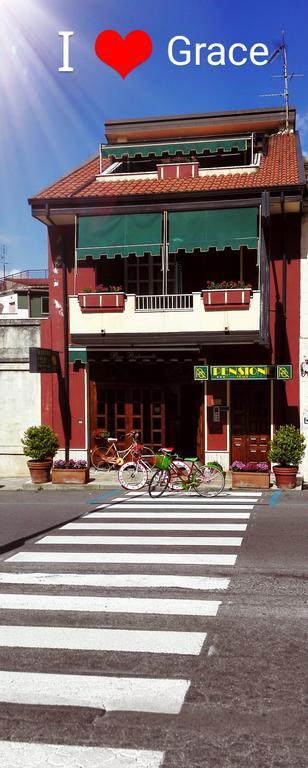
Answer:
(43, 360)
(284, 372)
(201, 372)
(243, 372)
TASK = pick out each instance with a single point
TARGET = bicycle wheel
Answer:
(208, 481)
(132, 475)
(178, 476)
(99, 461)
(159, 482)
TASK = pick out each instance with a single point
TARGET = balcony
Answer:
(173, 313)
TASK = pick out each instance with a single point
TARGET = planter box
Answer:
(250, 480)
(75, 476)
(102, 302)
(231, 298)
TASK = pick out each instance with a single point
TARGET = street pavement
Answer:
(158, 633)
(28, 513)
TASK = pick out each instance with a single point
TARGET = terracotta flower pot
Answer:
(74, 476)
(285, 477)
(250, 480)
(40, 470)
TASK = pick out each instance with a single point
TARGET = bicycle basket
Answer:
(162, 462)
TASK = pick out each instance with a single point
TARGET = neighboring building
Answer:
(23, 301)
(304, 325)
(24, 295)
(170, 209)
(20, 391)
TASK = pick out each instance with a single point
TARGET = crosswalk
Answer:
(107, 615)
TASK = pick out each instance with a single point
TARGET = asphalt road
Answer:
(232, 699)
(27, 513)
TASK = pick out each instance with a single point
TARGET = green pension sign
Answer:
(242, 372)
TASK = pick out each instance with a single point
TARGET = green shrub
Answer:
(287, 447)
(40, 443)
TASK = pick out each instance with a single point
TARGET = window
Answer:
(45, 305)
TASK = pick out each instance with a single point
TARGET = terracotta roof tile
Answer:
(278, 168)
(35, 282)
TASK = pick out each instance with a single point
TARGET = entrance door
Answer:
(122, 409)
(250, 420)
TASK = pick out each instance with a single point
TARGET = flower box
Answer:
(113, 301)
(226, 298)
(74, 476)
(251, 480)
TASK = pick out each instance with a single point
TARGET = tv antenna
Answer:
(3, 255)
(282, 48)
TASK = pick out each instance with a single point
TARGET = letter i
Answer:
(66, 50)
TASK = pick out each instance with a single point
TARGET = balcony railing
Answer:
(159, 303)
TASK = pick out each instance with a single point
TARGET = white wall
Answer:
(167, 321)
(9, 306)
(304, 341)
(20, 391)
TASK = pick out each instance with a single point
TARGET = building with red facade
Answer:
(174, 264)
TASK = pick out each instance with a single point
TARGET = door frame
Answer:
(229, 416)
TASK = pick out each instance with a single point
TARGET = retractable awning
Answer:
(220, 229)
(119, 235)
(171, 149)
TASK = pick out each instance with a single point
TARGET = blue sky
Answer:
(52, 121)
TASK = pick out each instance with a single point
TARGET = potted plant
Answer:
(102, 299)
(253, 474)
(73, 471)
(227, 294)
(101, 436)
(41, 444)
(287, 449)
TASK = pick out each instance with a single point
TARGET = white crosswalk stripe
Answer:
(154, 527)
(58, 588)
(123, 580)
(72, 638)
(139, 541)
(22, 754)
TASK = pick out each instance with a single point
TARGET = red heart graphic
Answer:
(123, 55)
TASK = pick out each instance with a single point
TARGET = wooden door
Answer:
(122, 409)
(250, 421)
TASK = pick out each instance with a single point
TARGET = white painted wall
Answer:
(168, 321)
(304, 341)
(20, 391)
(9, 306)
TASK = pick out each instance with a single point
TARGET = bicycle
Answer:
(112, 458)
(134, 475)
(207, 480)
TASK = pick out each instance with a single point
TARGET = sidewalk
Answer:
(98, 481)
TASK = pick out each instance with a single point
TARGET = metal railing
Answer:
(161, 303)
(28, 273)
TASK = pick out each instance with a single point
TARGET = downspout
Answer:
(60, 262)
(284, 257)
(66, 359)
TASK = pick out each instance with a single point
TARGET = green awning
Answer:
(226, 228)
(78, 354)
(119, 151)
(119, 235)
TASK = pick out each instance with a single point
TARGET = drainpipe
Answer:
(60, 261)
(284, 257)
(66, 360)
